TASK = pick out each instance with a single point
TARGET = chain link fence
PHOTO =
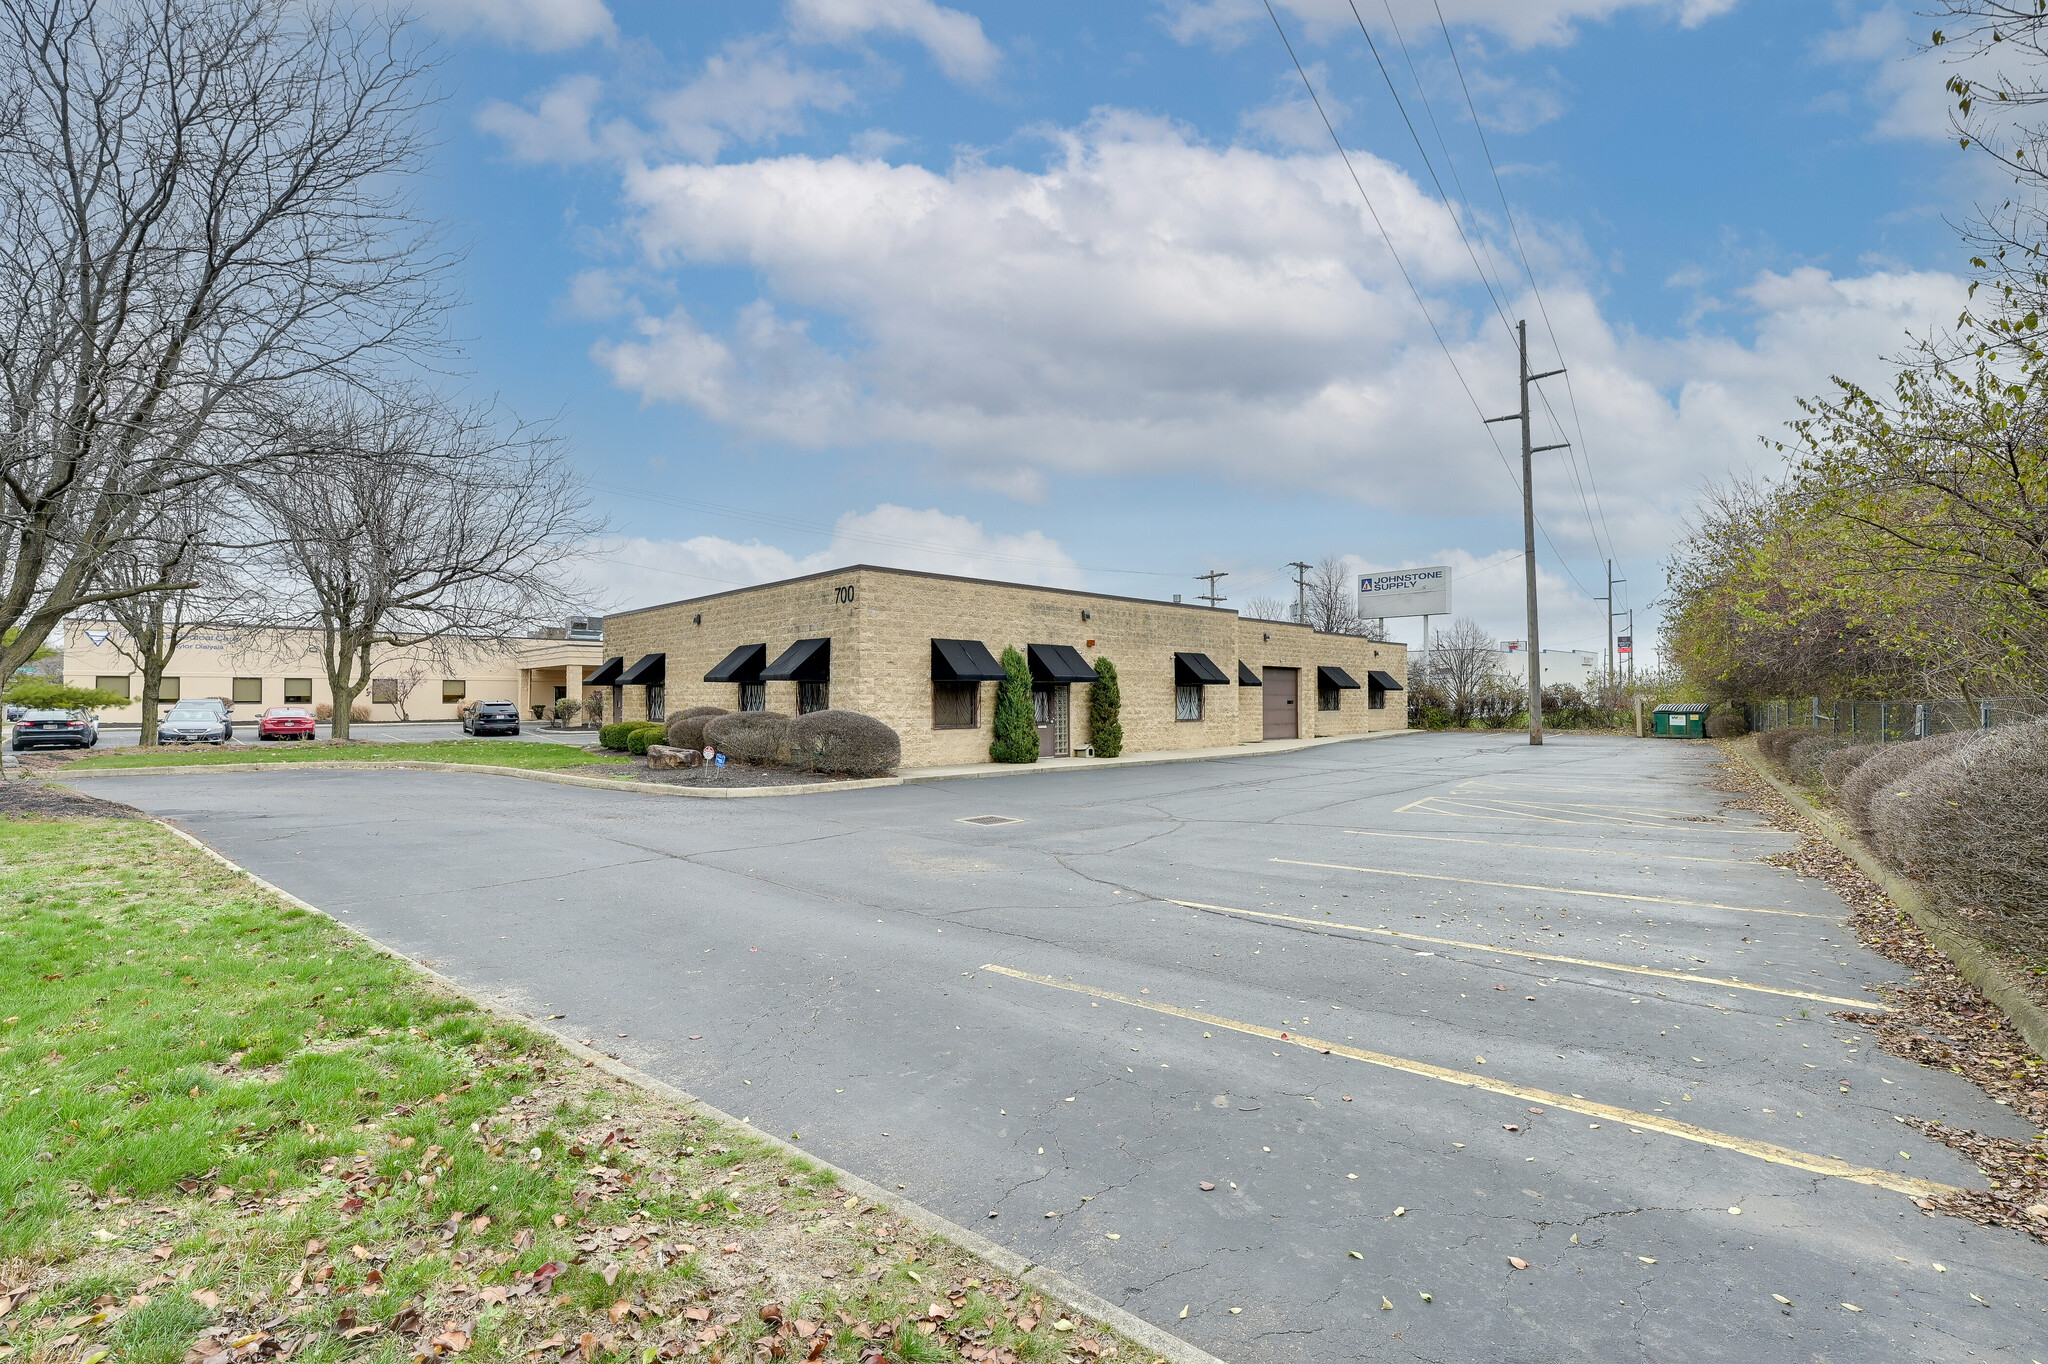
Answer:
(1886, 721)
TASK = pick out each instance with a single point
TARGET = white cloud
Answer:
(751, 92)
(556, 126)
(627, 572)
(954, 39)
(543, 25)
(1522, 23)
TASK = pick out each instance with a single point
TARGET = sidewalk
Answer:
(1151, 759)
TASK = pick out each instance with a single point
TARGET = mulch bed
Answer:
(1939, 1020)
(26, 798)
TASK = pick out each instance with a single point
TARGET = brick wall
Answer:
(881, 623)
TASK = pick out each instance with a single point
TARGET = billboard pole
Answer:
(1529, 527)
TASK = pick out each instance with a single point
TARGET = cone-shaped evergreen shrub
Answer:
(1016, 738)
(1105, 712)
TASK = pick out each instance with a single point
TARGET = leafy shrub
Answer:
(1881, 775)
(844, 742)
(614, 737)
(1429, 705)
(1805, 757)
(641, 733)
(1836, 767)
(1973, 825)
(1016, 733)
(567, 709)
(759, 737)
(1726, 724)
(687, 730)
(593, 707)
(1105, 712)
(47, 693)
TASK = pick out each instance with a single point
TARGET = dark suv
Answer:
(492, 717)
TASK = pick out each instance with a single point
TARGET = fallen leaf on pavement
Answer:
(1518, 1262)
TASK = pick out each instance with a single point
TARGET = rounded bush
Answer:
(1973, 825)
(759, 737)
(1805, 757)
(640, 734)
(1836, 767)
(613, 736)
(844, 742)
(1882, 774)
(687, 730)
(1775, 744)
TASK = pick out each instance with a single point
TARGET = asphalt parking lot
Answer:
(415, 732)
(1503, 976)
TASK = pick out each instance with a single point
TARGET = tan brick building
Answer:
(916, 650)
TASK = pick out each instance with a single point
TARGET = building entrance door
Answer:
(1049, 712)
(1282, 699)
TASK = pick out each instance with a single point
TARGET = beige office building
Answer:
(254, 667)
(919, 651)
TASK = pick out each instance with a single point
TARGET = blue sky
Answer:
(1080, 294)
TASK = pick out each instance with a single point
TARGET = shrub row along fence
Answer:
(1890, 721)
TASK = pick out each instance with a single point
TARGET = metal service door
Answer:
(1283, 711)
(1049, 712)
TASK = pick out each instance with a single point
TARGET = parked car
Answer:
(491, 717)
(223, 709)
(55, 729)
(285, 722)
(191, 723)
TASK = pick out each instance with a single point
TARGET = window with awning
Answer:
(1197, 670)
(1058, 663)
(1378, 684)
(1336, 677)
(650, 671)
(743, 664)
(807, 660)
(964, 660)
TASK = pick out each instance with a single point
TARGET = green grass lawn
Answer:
(228, 1126)
(489, 752)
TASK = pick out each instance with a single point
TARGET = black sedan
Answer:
(492, 717)
(55, 729)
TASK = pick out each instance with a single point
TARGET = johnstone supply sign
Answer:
(1405, 592)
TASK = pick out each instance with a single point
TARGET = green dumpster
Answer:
(1679, 720)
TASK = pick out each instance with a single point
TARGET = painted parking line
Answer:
(1650, 1122)
(1730, 983)
(1559, 890)
(1555, 847)
(1480, 808)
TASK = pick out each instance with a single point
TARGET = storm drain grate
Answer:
(989, 819)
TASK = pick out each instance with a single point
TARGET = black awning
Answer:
(607, 675)
(1058, 663)
(1195, 670)
(651, 671)
(1335, 677)
(743, 664)
(1247, 678)
(1384, 681)
(807, 660)
(964, 660)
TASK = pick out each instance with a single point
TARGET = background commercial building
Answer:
(920, 652)
(252, 667)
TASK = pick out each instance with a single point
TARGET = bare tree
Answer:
(411, 524)
(1332, 602)
(1267, 608)
(1462, 663)
(400, 683)
(201, 201)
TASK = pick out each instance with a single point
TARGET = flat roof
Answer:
(982, 582)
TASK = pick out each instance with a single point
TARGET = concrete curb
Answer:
(1164, 1345)
(1978, 966)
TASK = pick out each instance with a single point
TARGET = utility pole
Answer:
(1613, 670)
(1300, 592)
(1529, 528)
(1210, 578)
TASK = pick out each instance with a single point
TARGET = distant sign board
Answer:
(1405, 592)
(1625, 644)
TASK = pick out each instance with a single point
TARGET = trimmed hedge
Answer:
(1881, 776)
(1016, 732)
(1105, 712)
(1776, 744)
(613, 736)
(760, 737)
(687, 730)
(1805, 757)
(844, 742)
(640, 734)
(1836, 767)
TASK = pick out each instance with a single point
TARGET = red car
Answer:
(285, 722)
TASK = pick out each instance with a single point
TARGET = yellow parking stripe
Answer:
(1652, 1122)
(1554, 847)
(1729, 983)
(1556, 890)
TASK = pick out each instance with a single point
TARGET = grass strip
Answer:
(232, 1130)
(488, 752)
